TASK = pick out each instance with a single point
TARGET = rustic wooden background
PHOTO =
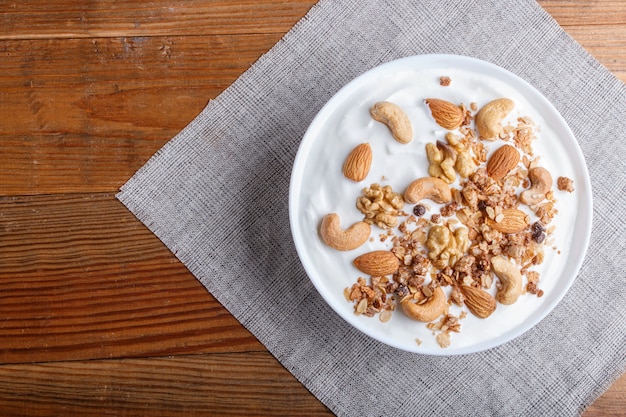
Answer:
(96, 315)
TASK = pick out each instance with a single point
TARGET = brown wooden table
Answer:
(96, 315)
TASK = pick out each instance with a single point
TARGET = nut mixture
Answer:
(490, 228)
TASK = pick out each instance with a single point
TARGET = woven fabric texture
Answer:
(217, 196)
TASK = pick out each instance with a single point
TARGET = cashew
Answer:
(395, 118)
(428, 187)
(427, 311)
(335, 237)
(541, 182)
(510, 287)
(490, 116)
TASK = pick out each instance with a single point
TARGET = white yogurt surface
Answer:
(318, 187)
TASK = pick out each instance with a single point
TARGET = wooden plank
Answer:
(599, 26)
(64, 18)
(586, 13)
(82, 115)
(230, 384)
(612, 403)
(87, 124)
(81, 278)
(111, 18)
(607, 44)
(240, 384)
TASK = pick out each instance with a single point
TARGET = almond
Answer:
(502, 161)
(377, 263)
(357, 164)
(509, 221)
(478, 301)
(447, 115)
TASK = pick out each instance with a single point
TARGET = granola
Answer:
(565, 184)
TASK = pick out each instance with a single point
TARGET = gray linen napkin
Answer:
(217, 196)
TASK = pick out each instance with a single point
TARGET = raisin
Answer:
(419, 210)
(402, 291)
(482, 206)
(538, 232)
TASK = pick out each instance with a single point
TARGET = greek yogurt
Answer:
(318, 187)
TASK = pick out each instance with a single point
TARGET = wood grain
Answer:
(89, 127)
(599, 26)
(111, 18)
(208, 385)
(96, 315)
(575, 13)
(81, 278)
(612, 403)
(607, 43)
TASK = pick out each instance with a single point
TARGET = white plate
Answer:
(318, 187)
